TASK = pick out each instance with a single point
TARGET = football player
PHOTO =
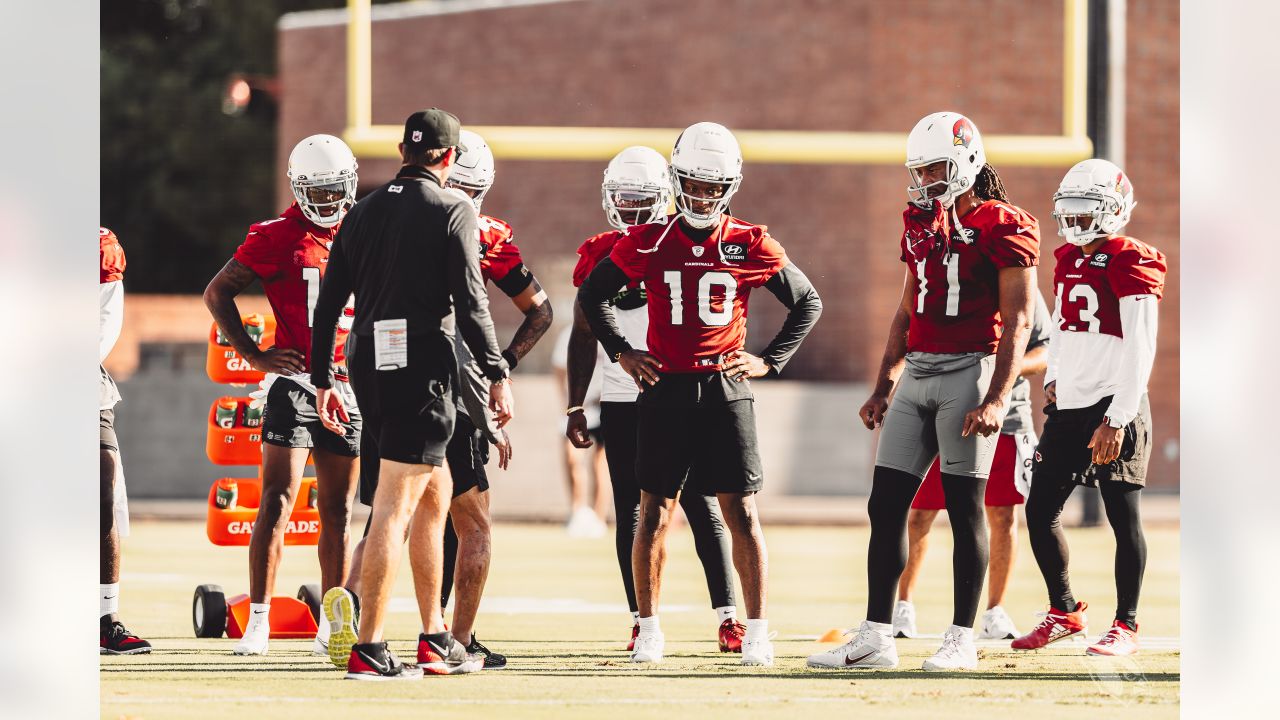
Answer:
(636, 191)
(695, 411)
(959, 333)
(1006, 490)
(1097, 432)
(288, 255)
(115, 638)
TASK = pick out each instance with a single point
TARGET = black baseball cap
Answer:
(432, 128)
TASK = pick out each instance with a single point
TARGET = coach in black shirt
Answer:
(409, 251)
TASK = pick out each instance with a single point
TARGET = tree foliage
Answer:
(181, 180)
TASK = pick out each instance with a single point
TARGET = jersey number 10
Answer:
(709, 317)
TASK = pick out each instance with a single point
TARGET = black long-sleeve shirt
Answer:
(789, 285)
(408, 250)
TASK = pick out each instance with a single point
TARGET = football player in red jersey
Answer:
(636, 191)
(1098, 426)
(695, 410)
(288, 255)
(114, 639)
(959, 333)
(467, 543)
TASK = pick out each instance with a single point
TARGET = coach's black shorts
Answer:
(1064, 446)
(699, 422)
(408, 413)
(107, 430)
(290, 420)
(467, 452)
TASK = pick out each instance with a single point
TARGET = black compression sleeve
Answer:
(793, 290)
(514, 282)
(335, 288)
(601, 285)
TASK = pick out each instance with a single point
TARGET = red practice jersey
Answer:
(595, 249)
(1088, 288)
(698, 292)
(955, 289)
(500, 261)
(289, 255)
(110, 256)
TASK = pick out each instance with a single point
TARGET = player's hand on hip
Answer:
(983, 420)
(331, 410)
(502, 402)
(282, 361)
(577, 430)
(1105, 443)
(505, 450)
(1051, 392)
(741, 365)
(641, 366)
(873, 410)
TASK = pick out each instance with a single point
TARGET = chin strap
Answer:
(660, 239)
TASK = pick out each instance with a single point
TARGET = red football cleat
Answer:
(731, 634)
(635, 633)
(1119, 641)
(117, 640)
(1055, 626)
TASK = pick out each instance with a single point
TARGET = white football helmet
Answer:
(705, 152)
(1096, 189)
(322, 174)
(472, 171)
(941, 136)
(636, 183)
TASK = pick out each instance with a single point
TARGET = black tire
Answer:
(311, 595)
(209, 611)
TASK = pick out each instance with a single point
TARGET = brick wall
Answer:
(756, 64)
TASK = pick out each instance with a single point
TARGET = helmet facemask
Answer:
(628, 205)
(922, 194)
(702, 207)
(475, 191)
(325, 201)
(1103, 216)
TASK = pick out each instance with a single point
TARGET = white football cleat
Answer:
(759, 651)
(648, 648)
(997, 625)
(904, 619)
(957, 652)
(256, 636)
(870, 648)
(584, 523)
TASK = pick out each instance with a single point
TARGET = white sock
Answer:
(884, 629)
(635, 618)
(728, 612)
(965, 633)
(757, 629)
(649, 626)
(109, 599)
(260, 612)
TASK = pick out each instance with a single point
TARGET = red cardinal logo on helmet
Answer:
(962, 132)
(1122, 184)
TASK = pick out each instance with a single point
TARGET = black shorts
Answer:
(107, 430)
(290, 420)
(702, 423)
(619, 429)
(467, 452)
(408, 413)
(1064, 446)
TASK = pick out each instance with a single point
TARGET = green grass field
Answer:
(556, 608)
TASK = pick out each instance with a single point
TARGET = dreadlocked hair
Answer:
(988, 185)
